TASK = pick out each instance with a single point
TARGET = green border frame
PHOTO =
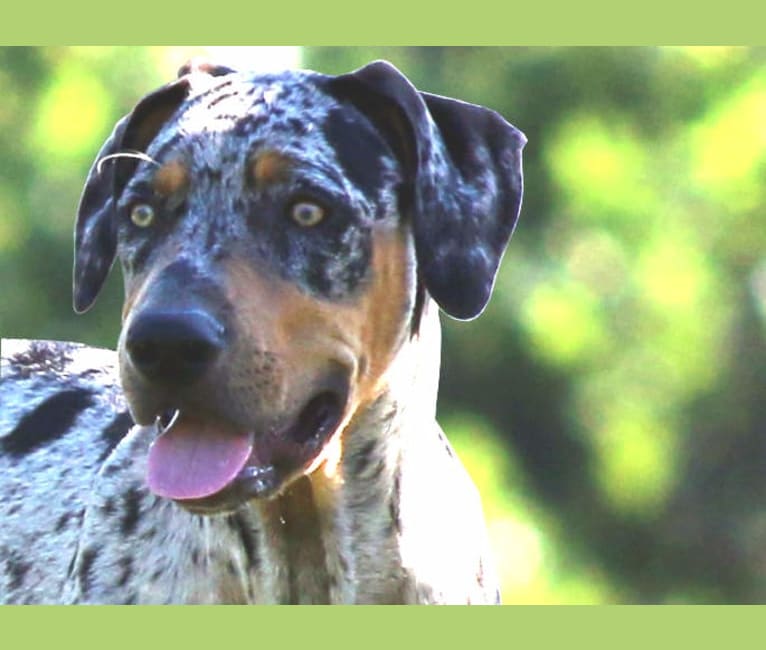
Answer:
(394, 22)
(353, 627)
(406, 23)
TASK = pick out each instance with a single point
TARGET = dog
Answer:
(266, 430)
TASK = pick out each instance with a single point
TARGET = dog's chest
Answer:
(137, 548)
(79, 524)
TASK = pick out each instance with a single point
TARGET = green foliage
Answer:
(620, 370)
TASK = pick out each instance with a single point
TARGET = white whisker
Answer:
(139, 155)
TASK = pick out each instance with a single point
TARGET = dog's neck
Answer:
(366, 532)
(337, 531)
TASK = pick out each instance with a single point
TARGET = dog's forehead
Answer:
(227, 122)
(285, 109)
(280, 98)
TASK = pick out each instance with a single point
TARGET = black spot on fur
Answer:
(40, 356)
(211, 239)
(249, 543)
(247, 125)
(16, 568)
(361, 460)
(126, 563)
(49, 421)
(149, 534)
(114, 432)
(377, 470)
(61, 522)
(70, 568)
(343, 563)
(131, 502)
(393, 504)
(221, 97)
(85, 573)
(212, 174)
(111, 469)
(298, 126)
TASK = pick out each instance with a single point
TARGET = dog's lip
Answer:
(277, 455)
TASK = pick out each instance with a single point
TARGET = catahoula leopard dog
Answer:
(266, 430)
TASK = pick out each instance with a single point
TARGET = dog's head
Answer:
(278, 235)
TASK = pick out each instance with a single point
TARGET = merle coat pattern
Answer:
(265, 432)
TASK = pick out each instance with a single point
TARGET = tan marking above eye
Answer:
(269, 167)
(170, 178)
(306, 213)
(142, 215)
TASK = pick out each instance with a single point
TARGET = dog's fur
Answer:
(284, 240)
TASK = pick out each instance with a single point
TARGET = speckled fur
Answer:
(421, 194)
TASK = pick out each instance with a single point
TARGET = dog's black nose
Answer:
(174, 347)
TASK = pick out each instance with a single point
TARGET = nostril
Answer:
(197, 351)
(142, 352)
(174, 347)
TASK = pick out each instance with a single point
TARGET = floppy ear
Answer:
(95, 239)
(96, 228)
(464, 165)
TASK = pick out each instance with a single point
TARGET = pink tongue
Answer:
(193, 460)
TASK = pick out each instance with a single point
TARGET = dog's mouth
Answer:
(208, 467)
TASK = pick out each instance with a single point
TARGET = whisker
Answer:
(139, 155)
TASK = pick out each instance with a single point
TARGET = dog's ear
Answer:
(96, 228)
(464, 165)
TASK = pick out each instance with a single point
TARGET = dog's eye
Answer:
(142, 215)
(307, 214)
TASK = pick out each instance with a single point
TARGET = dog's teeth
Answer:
(166, 419)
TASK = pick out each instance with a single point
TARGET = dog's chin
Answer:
(277, 457)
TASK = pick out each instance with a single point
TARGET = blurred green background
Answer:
(610, 401)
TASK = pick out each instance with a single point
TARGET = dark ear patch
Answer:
(145, 123)
(359, 148)
(95, 237)
(388, 118)
(96, 228)
(460, 250)
(463, 164)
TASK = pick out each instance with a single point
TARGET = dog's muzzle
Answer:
(205, 457)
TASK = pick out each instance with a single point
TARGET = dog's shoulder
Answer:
(62, 414)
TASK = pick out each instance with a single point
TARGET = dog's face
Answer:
(277, 236)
